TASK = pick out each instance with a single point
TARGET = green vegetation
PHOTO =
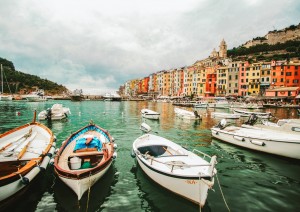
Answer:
(260, 51)
(18, 80)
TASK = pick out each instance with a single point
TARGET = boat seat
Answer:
(87, 153)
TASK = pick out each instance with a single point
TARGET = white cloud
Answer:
(98, 45)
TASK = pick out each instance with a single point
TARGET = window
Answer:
(288, 73)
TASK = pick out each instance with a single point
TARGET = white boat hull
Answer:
(80, 186)
(225, 115)
(175, 168)
(188, 188)
(6, 98)
(268, 141)
(149, 114)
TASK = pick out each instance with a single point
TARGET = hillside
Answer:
(279, 51)
(19, 81)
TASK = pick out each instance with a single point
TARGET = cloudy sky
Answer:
(97, 45)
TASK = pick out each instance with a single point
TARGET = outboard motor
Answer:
(222, 124)
(252, 119)
(197, 115)
(48, 115)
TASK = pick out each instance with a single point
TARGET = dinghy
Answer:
(24, 152)
(175, 168)
(150, 114)
(56, 112)
(84, 158)
(186, 114)
(247, 113)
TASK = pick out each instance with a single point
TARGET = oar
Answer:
(16, 141)
(26, 146)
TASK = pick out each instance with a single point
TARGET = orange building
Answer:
(243, 78)
(211, 82)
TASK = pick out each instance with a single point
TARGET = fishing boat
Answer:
(265, 140)
(175, 168)
(150, 114)
(36, 96)
(112, 97)
(225, 115)
(84, 158)
(247, 113)
(56, 112)
(25, 151)
(4, 97)
(186, 114)
(76, 95)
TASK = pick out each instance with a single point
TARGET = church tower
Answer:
(223, 49)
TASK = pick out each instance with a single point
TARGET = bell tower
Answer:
(223, 49)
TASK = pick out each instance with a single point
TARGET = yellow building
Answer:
(253, 78)
(265, 77)
(222, 81)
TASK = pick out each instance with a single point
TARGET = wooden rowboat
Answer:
(84, 158)
(24, 152)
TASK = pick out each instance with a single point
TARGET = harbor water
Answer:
(247, 180)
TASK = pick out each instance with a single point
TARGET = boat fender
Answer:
(259, 143)
(133, 154)
(115, 155)
(239, 138)
(115, 146)
(113, 139)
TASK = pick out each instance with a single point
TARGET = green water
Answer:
(250, 181)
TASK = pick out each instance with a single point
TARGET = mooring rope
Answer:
(88, 199)
(222, 193)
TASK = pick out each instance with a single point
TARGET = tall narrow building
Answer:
(223, 49)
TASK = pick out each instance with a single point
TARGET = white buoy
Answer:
(79, 113)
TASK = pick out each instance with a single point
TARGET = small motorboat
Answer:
(247, 113)
(84, 158)
(286, 125)
(186, 114)
(145, 127)
(225, 115)
(175, 168)
(24, 152)
(150, 114)
(282, 143)
(56, 112)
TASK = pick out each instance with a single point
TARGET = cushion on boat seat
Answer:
(87, 153)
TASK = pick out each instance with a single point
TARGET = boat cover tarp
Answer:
(82, 143)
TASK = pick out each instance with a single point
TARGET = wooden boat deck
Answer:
(63, 158)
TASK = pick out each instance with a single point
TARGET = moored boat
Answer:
(24, 152)
(84, 158)
(56, 112)
(175, 168)
(150, 114)
(186, 114)
(76, 95)
(225, 115)
(247, 113)
(265, 140)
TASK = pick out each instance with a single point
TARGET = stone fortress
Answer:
(276, 36)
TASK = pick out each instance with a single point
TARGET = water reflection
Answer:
(66, 199)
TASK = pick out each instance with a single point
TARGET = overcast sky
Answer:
(98, 45)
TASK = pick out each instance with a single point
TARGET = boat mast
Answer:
(1, 79)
